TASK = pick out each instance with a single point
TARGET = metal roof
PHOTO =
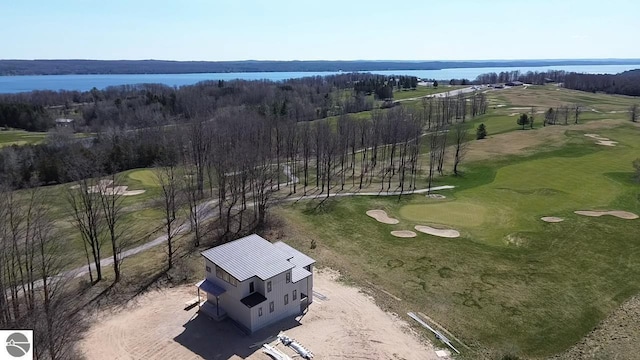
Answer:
(298, 273)
(210, 287)
(298, 258)
(250, 256)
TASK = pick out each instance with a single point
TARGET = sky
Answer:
(217, 30)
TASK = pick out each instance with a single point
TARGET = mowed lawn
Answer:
(511, 283)
(20, 137)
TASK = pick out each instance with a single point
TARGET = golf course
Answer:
(511, 283)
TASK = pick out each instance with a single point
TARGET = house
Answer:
(64, 122)
(514, 83)
(255, 282)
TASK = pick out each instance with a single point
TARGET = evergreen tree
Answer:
(481, 132)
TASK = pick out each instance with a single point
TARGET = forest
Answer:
(625, 83)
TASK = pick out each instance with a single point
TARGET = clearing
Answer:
(345, 324)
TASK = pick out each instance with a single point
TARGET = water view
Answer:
(14, 84)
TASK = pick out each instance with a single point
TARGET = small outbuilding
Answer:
(65, 123)
(255, 282)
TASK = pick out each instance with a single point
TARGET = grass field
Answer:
(20, 137)
(511, 283)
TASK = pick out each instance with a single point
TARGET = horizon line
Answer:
(334, 60)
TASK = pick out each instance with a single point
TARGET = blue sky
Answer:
(312, 30)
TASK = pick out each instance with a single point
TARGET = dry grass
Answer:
(525, 142)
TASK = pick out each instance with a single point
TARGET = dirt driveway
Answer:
(342, 323)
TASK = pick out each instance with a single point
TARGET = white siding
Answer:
(248, 317)
(279, 287)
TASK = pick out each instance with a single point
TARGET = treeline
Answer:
(383, 86)
(31, 297)
(529, 77)
(63, 67)
(25, 116)
(625, 83)
(121, 149)
(146, 105)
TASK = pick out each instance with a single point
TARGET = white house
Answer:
(256, 282)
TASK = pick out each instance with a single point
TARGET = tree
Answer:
(167, 179)
(435, 83)
(549, 117)
(577, 109)
(460, 133)
(633, 112)
(111, 203)
(84, 200)
(523, 120)
(531, 117)
(481, 132)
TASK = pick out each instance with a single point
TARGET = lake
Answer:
(14, 84)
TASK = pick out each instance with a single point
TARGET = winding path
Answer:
(207, 210)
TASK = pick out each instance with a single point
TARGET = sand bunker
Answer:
(382, 217)
(602, 140)
(552, 219)
(448, 233)
(403, 234)
(105, 187)
(617, 213)
(436, 196)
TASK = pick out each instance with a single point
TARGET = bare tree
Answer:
(633, 112)
(84, 201)
(577, 110)
(460, 134)
(111, 204)
(167, 178)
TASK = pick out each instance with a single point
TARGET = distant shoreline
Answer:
(140, 67)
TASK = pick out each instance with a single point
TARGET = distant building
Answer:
(514, 83)
(65, 123)
(255, 282)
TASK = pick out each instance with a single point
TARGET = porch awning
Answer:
(211, 288)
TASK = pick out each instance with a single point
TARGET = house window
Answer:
(286, 299)
(271, 307)
(208, 269)
(295, 294)
(221, 274)
(268, 286)
(251, 288)
(288, 277)
(260, 311)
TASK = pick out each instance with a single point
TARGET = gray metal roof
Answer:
(298, 258)
(210, 287)
(298, 273)
(250, 256)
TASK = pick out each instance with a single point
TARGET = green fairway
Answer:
(511, 282)
(144, 177)
(20, 137)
